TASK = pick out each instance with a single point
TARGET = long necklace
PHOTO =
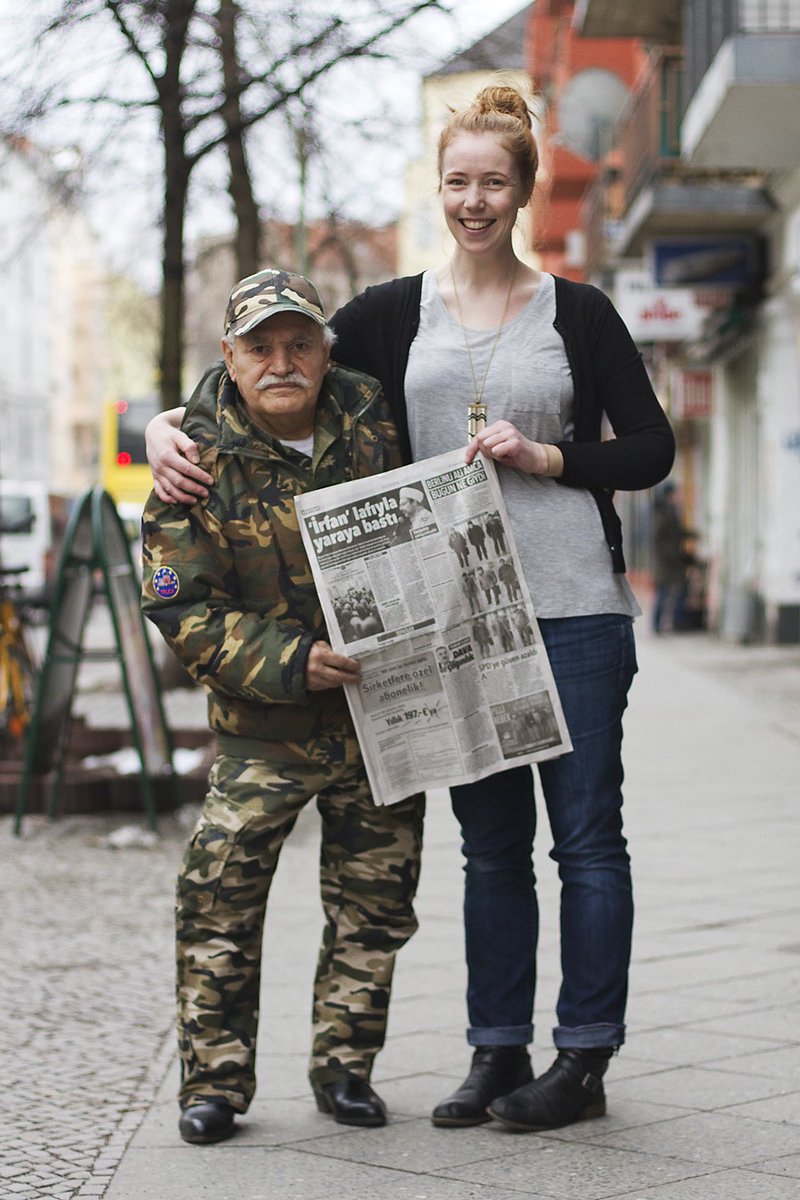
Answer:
(476, 410)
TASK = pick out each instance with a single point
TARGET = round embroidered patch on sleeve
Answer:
(166, 584)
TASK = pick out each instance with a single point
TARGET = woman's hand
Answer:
(503, 442)
(173, 459)
(325, 669)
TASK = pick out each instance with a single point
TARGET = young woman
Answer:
(548, 359)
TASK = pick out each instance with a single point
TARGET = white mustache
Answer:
(294, 377)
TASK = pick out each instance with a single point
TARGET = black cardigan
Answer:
(375, 330)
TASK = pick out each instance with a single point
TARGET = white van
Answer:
(25, 530)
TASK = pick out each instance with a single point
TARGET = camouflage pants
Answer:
(369, 867)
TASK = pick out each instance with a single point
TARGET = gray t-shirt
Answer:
(558, 531)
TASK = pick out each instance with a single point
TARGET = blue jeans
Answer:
(593, 661)
(669, 607)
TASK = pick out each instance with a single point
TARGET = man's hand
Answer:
(324, 669)
(173, 459)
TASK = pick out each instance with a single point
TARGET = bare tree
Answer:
(240, 184)
(209, 86)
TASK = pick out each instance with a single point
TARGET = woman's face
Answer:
(481, 192)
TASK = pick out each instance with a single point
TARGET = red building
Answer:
(583, 84)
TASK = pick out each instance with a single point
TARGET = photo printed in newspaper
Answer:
(420, 580)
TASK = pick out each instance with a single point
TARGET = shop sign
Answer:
(657, 314)
(731, 262)
(692, 395)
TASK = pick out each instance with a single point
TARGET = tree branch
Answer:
(115, 8)
(362, 50)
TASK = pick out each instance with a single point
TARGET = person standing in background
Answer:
(670, 561)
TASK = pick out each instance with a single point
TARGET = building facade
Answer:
(583, 85)
(694, 222)
(25, 384)
(52, 319)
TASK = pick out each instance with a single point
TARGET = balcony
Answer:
(648, 134)
(657, 21)
(596, 218)
(742, 84)
(649, 191)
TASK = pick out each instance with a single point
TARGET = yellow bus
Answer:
(123, 463)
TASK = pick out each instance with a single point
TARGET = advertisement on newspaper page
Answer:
(420, 580)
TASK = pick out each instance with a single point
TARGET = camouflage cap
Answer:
(262, 295)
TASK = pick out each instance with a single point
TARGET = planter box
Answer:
(87, 790)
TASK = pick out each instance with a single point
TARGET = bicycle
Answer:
(17, 661)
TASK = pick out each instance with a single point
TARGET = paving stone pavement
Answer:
(704, 1100)
(86, 998)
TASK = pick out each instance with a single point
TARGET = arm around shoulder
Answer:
(174, 439)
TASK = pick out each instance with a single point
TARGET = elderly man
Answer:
(228, 584)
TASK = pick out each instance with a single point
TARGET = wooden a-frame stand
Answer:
(96, 559)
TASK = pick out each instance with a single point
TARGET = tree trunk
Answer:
(177, 170)
(334, 239)
(304, 143)
(176, 186)
(240, 187)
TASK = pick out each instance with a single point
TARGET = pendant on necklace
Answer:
(476, 418)
(476, 410)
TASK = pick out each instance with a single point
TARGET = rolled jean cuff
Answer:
(504, 1035)
(588, 1037)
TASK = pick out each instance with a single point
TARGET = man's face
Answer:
(278, 368)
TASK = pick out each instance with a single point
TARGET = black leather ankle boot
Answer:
(495, 1071)
(572, 1090)
(209, 1121)
(350, 1101)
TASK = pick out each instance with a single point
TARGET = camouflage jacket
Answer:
(227, 581)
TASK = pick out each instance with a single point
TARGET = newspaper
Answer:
(420, 580)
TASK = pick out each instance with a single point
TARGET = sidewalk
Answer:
(704, 1100)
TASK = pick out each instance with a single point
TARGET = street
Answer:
(703, 1100)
